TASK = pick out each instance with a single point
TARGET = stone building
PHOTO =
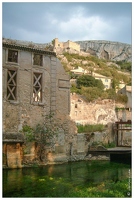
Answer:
(63, 46)
(34, 85)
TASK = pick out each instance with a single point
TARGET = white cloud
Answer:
(86, 28)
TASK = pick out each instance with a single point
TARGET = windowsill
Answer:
(13, 102)
(38, 103)
(12, 63)
(37, 65)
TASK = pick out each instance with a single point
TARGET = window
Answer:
(38, 59)
(11, 84)
(37, 87)
(106, 86)
(106, 80)
(75, 105)
(12, 56)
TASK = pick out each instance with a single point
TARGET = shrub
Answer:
(91, 93)
(89, 81)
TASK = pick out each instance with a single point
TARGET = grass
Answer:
(90, 128)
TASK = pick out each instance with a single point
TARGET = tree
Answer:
(115, 84)
(89, 81)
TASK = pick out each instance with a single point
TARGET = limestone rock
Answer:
(108, 50)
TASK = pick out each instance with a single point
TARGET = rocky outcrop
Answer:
(114, 51)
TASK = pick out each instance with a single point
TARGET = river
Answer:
(73, 179)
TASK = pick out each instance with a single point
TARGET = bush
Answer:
(89, 81)
(91, 93)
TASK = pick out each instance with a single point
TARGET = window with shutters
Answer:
(38, 59)
(12, 56)
(11, 85)
(37, 87)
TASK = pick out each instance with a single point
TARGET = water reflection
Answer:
(28, 181)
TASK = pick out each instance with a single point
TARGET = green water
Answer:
(76, 179)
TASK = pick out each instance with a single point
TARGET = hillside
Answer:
(119, 72)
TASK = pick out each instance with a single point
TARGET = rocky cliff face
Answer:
(114, 51)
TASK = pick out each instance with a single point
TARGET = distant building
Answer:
(105, 80)
(65, 45)
(80, 71)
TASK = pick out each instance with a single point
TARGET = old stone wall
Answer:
(23, 110)
(97, 112)
(63, 46)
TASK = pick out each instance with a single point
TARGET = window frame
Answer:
(7, 85)
(41, 103)
(36, 64)
(15, 51)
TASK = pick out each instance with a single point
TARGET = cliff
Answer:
(109, 50)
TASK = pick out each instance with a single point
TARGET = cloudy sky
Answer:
(75, 21)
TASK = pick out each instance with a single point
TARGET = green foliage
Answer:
(28, 133)
(74, 89)
(111, 94)
(115, 83)
(118, 108)
(125, 65)
(90, 128)
(89, 81)
(122, 98)
(91, 93)
(77, 179)
(109, 145)
(42, 134)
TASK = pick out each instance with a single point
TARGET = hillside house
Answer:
(34, 85)
(80, 71)
(105, 80)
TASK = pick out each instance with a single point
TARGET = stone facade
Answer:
(34, 85)
(63, 46)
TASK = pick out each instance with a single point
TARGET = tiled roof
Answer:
(100, 76)
(11, 45)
